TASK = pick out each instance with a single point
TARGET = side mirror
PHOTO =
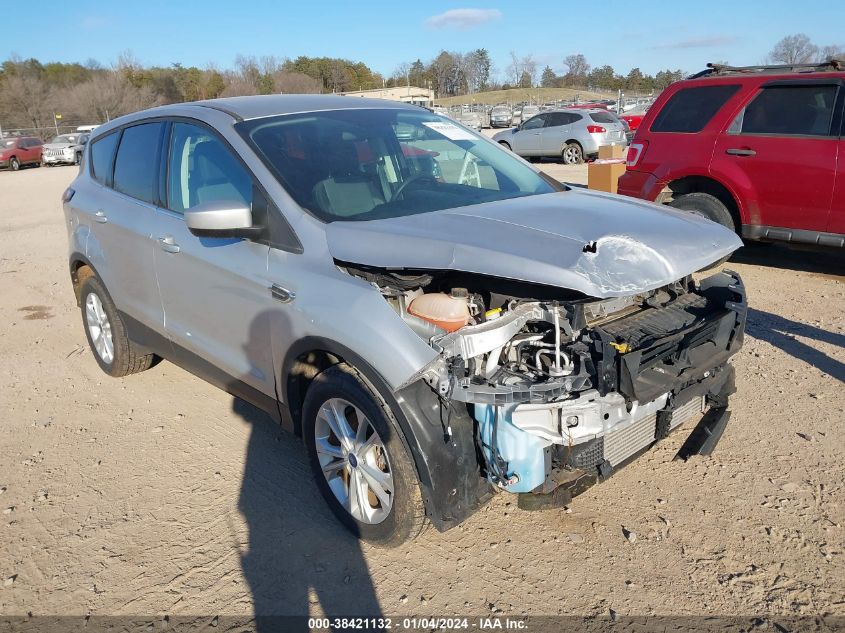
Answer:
(222, 218)
(516, 129)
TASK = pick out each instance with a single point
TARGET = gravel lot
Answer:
(158, 494)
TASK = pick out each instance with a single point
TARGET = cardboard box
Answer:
(604, 176)
(612, 151)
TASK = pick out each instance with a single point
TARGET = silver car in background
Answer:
(434, 316)
(65, 149)
(571, 135)
(501, 116)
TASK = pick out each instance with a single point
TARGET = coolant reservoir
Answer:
(450, 312)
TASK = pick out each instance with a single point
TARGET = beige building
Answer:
(405, 94)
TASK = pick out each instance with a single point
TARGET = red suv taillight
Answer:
(635, 153)
(595, 129)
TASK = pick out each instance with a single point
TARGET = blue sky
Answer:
(652, 35)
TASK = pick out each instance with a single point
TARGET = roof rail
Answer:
(724, 69)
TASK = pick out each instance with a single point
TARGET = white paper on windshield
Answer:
(450, 131)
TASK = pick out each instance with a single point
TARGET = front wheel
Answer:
(14, 164)
(78, 158)
(359, 459)
(505, 145)
(572, 154)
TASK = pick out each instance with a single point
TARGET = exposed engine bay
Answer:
(564, 388)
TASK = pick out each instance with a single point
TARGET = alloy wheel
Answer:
(99, 328)
(354, 461)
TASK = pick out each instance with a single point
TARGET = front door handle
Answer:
(282, 294)
(100, 217)
(168, 245)
(741, 152)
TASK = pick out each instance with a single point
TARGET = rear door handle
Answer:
(167, 245)
(100, 217)
(740, 152)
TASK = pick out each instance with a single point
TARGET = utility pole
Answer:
(56, 118)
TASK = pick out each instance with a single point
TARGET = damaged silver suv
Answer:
(433, 315)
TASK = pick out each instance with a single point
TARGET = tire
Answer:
(505, 145)
(343, 390)
(707, 206)
(572, 154)
(78, 158)
(122, 357)
(14, 163)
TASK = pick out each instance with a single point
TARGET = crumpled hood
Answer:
(545, 239)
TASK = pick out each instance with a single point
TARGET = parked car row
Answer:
(64, 149)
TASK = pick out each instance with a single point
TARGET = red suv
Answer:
(758, 149)
(17, 151)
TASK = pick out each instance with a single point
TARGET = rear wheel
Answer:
(359, 459)
(114, 352)
(709, 207)
(572, 154)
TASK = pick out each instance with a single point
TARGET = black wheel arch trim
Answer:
(447, 465)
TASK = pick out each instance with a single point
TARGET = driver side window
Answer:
(202, 169)
(535, 122)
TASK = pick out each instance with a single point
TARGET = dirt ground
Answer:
(157, 494)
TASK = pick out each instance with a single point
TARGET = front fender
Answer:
(447, 464)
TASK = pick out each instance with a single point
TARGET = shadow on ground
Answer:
(782, 332)
(826, 262)
(299, 555)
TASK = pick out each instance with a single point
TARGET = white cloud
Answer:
(462, 18)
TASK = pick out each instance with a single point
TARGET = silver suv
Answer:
(571, 135)
(434, 316)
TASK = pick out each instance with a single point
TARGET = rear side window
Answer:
(690, 109)
(603, 117)
(102, 157)
(788, 110)
(136, 167)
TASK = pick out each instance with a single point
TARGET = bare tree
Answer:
(831, 52)
(338, 78)
(26, 101)
(402, 74)
(109, 95)
(576, 65)
(529, 71)
(296, 83)
(513, 73)
(794, 49)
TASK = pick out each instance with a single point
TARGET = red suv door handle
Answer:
(741, 152)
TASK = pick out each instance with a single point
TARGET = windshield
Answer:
(367, 164)
(500, 110)
(10, 142)
(66, 138)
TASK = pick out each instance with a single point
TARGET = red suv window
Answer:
(690, 109)
(802, 110)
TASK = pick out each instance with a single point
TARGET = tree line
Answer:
(33, 93)
(37, 96)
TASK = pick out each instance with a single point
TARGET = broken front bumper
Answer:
(655, 369)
